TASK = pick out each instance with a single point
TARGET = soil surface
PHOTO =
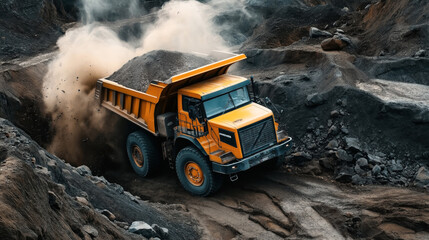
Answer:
(264, 204)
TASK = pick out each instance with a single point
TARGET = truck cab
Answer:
(234, 132)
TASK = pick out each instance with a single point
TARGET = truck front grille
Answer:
(257, 136)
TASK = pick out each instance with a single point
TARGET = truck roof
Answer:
(214, 86)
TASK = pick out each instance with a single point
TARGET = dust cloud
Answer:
(184, 26)
(85, 55)
(92, 51)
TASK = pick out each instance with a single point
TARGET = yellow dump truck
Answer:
(205, 122)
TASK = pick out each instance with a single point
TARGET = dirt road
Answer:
(277, 205)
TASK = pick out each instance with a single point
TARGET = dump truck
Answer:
(203, 122)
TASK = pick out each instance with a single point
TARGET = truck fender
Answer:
(184, 141)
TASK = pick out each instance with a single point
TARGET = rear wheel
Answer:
(143, 153)
(195, 174)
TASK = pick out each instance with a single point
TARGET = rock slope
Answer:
(44, 197)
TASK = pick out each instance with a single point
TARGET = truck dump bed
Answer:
(142, 108)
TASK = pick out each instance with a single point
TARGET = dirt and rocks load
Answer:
(157, 65)
(42, 197)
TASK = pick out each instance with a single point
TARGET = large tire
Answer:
(143, 154)
(195, 174)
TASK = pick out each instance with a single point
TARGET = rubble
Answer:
(315, 32)
(69, 196)
(157, 65)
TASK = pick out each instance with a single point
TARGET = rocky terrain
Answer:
(44, 197)
(346, 79)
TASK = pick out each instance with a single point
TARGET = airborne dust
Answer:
(93, 50)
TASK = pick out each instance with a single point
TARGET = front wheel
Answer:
(143, 154)
(195, 174)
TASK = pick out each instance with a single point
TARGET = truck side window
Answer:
(185, 103)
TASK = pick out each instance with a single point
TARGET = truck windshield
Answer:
(226, 102)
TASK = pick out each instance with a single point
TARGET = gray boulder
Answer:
(328, 163)
(422, 177)
(358, 180)
(353, 144)
(376, 170)
(343, 155)
(343, 38)
(90, 230)
(299, 157)
(345, 174)
(362, 162)
(162, 232)
(142, 228)
(333, 130)
(374, 159)
(108, 214)
(315, 99)
(333, 144)
(420, 53)
(315, 33)
(359, 170)
(83, 170)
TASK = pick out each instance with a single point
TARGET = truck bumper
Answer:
(256, 159)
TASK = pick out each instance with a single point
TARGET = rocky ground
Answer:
(264, 204)
(347, 80)
(44, 197)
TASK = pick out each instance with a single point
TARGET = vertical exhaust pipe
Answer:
(253, 88)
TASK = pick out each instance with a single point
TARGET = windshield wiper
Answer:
(227, 103)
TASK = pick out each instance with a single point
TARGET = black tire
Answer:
(211, 181)
(140, 144)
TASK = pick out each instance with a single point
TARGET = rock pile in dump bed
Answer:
(159, 65)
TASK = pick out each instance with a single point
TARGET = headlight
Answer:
(227, 137)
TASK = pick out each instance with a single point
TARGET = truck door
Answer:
(191, 117)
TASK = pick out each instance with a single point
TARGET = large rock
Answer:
(91, 230)
(333, 44)
(343, 155)
(362, 162)
(422, 177)
(374, 159)
(315, 99)
(84, 170)
(376, 170)
(142, 228)
(353, 144)
(345, 174)
(299, 158)
(333, 144)
(358, 180)
(162, 232)
(315, 32)
(343, 38)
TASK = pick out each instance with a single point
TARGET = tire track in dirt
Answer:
(278, 205)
